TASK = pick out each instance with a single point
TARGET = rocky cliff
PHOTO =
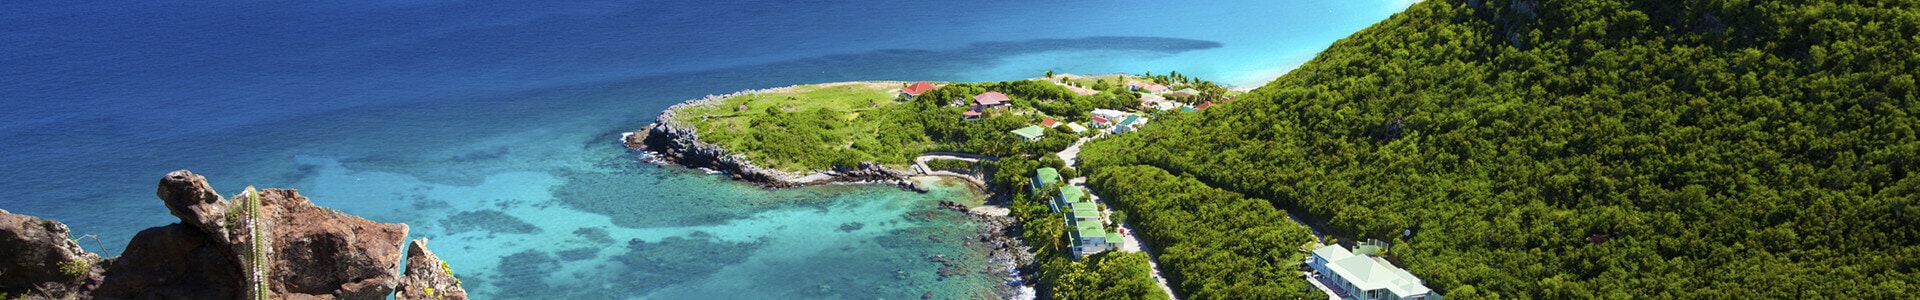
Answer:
(269, 243)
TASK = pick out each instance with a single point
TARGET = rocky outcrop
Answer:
(38, 258)
(428, 277)
(174, 262)
(303, 251)
(325, 253)
(669, 141)
(189, 198)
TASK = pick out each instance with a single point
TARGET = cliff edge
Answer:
(271, 243)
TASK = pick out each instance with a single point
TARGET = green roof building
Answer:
(1030, 133)
(1042, 178)
(1069, 195)
(1089, 238)
(1086, 212)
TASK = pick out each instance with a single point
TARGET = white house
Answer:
(1365, 277)
(1109, 114)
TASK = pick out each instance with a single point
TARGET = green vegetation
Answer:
(256, 245)
(1213, 244)
(449, 269)
(952, 165)
(76, 267)
(1582, 149)
(819, 127)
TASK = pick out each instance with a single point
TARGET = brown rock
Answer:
(326, 253)
(34, 255)
(173, 262)
(310, 252)
(190, 198)
(427, 276)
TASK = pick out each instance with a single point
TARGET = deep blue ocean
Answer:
(491, 126)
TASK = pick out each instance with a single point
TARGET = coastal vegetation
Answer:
(819, 127)
(1572, 149)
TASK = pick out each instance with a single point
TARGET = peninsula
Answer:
(996, 135)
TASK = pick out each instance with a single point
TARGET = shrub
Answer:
(76, 267)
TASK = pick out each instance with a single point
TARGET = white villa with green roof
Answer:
(1042, 178)
(1365, 277)
(1089, 230)
(1030, 133)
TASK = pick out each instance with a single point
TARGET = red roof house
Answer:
(1205, 105)
(990, 99)
(917, 88)
(1049, 122)
(970, 115)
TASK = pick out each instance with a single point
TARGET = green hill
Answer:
(1578, 149)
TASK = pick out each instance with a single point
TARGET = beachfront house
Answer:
(1041, 179)
(1089, 238)
(914, 90)
(990, 100)
(1065, 199)
(1360, 276)
(1082, 211)
(1030, 133)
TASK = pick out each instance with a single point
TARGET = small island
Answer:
(998, 136)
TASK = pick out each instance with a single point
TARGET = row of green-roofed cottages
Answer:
(1090, 235)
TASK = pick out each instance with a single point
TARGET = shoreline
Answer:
(667, 142)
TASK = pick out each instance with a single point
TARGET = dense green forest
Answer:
(1588, 149)
(1213, 243)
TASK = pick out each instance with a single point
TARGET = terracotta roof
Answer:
(1099, 120)
(971, 113)
(1049, 122)
(990, 98)
(918, 88)
(1205, 105)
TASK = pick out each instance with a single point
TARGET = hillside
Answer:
(1580, 149)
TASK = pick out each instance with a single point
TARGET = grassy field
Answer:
(852, 113)
(1089, 81)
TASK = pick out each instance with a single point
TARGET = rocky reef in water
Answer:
(271, 243)
(680, 144)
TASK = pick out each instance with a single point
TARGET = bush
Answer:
(76, 267)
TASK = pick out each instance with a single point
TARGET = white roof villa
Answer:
(1108, 113)
(1365, 277)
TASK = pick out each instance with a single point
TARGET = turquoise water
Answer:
(491, 127)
